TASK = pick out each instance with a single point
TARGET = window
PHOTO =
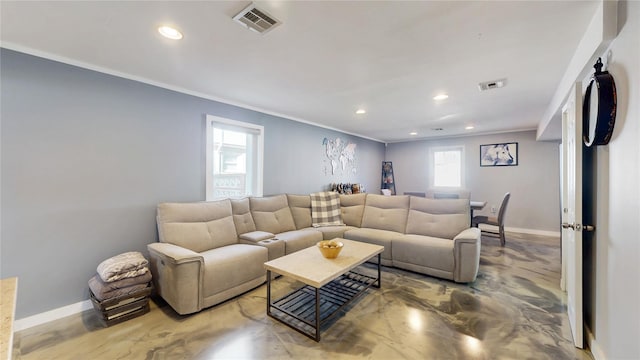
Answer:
(234, 158)
(447, 166)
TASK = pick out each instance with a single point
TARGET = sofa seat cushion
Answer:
(424, 251)
(299, 239)
(332, 232)
(374, 236)
(229, 266)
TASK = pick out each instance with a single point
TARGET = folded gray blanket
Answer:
(126, 265)
(108, 290)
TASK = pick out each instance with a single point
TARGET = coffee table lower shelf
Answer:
(308, 308)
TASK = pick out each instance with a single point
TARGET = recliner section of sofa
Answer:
(198, 261)
(209, 252)
(443, 227)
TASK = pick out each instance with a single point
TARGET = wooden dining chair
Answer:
(495, 221)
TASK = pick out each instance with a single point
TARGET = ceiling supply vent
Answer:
(494, 84)
(256, 19)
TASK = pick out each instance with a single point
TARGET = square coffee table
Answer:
(330, 285)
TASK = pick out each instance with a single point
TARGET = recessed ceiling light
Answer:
(361, 111)
(170, 33)
(413, 133)
(470, 127)
(440, 97)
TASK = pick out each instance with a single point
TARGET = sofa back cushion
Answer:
(386, 212)
(300, 206)
(242, 216)
(352, 207)
(197, 226)
(442, 218)
(272, 214)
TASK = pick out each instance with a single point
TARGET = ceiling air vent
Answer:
(256, 19)
(494, 84)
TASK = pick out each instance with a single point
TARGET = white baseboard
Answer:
(51, 315)
(523, 231)
(596, 350)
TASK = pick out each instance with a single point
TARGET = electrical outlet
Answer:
(494, 210)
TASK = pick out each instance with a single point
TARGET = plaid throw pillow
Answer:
(325, 209)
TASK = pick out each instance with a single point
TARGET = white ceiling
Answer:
(328, 58)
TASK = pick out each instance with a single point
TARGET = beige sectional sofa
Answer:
(209, 252)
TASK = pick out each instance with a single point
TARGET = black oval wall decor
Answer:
(599, 108)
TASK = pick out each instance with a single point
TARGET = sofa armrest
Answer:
(470, 235)
(174, 253)
(177, 275)
(254, 237)
(466, 251)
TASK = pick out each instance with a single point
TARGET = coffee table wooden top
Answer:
(310, 267)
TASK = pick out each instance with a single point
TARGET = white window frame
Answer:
(210, 120)
(432, 166)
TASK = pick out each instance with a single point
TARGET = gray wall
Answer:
(296, 160)
(534, 183)
(87, 156)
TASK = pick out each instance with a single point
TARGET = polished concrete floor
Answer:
(514, 310)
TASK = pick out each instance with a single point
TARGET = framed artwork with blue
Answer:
(504, 154)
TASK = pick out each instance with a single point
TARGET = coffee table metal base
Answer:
(308, 308)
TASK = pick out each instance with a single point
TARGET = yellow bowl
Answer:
(330, 252)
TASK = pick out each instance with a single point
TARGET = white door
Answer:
(572, 210)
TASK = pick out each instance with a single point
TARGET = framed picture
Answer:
(505, 154)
